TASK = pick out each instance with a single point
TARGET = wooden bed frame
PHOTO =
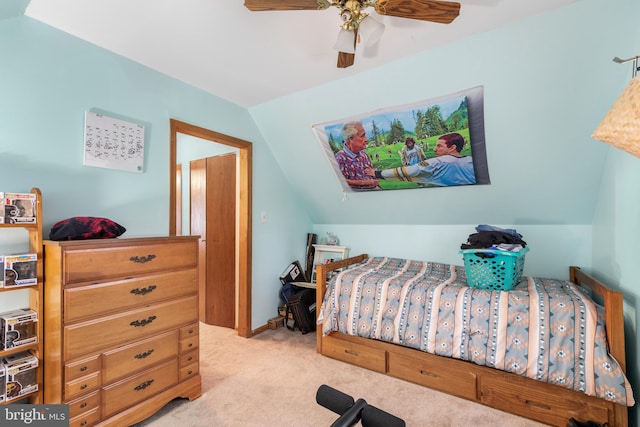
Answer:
(543, 402)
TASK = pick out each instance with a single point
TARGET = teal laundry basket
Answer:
(493, 269)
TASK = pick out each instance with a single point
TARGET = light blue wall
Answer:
(547, 243)
(12, 8)
(616, 225)
(542, 80)
(616, 229)
(48, 79)
(548, 82)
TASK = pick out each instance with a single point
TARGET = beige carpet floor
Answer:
(271, 380)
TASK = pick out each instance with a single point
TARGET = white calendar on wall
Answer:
(112, 143)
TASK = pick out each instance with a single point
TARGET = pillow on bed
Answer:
(85, 227)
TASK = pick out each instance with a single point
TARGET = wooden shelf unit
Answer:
(35, 299)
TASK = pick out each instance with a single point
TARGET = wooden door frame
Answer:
(244, 208)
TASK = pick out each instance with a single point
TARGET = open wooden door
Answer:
(244, 207)
(213, 217)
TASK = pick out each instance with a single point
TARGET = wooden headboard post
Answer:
(613, 308)
(321, 287)
(613, 315)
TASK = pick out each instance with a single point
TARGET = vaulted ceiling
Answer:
(248, 57)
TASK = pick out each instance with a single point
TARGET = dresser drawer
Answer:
(189, 344)
(137, 357)
(87, 419)
(77, 387)
(189, 331)
(188, 371)
(432, 372)
(140, 387)
(81, 368)
(189, 358)
(97, 263)
(366, 357)
(97, 299)
(130, 326)
(84, 404)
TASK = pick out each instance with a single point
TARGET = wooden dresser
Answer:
(121, 327)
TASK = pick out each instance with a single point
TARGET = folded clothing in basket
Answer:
(493, 237)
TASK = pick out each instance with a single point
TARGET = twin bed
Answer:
(544, 350)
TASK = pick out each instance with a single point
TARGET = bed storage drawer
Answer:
(432, 372)
(351, 352)
(504, 391)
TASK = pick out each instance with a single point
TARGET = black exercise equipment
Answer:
(351, 411)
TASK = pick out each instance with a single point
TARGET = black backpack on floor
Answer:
(302, 306)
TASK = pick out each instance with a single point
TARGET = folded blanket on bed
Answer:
(545, 329)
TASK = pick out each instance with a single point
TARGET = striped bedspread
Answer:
(545, 329)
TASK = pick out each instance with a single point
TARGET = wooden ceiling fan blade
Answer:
(261, 5)
(346, 59)
(443, 12)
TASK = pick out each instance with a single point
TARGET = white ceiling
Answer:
(250, 58)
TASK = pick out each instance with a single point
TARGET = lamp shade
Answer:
(621, 126)
(346, 41)
(370, 30)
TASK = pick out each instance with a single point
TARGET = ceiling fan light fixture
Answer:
(346, 41)
(370, 30)
(355, 21)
